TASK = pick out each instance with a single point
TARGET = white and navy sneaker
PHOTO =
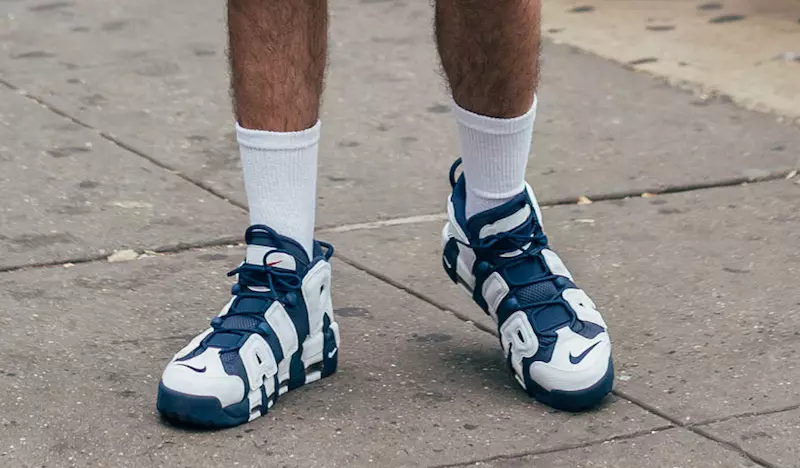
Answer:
(554, 339)
(277, 333)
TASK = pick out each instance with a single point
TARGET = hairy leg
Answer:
(277, 52)
(490, 53)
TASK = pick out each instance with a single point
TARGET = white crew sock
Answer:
(280, 178)
(494, 153)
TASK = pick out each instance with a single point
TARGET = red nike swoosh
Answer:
(274, 263)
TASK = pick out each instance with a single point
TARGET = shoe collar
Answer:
(267, 247)
(517, 215)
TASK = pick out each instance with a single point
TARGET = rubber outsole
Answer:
(200, 411)
(207, 412)
(577, 401)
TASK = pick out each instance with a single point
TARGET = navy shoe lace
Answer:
(530, 247)
(281, 285)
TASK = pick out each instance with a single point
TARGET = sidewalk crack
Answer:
(560, 448)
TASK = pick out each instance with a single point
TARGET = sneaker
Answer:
(554, 339)
(276, 333)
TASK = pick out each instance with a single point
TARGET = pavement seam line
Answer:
(692, 428)
(733, 446)
(675, 422)
(399, 221)
(556, 449)
(199, 184)
(421, 296)
(173, 249)
(603, 197)
(34, 266)
(419, 219)
(408, 220)
(746, 414)
(647, 407)
(121, 144)
(690, 187)
(187, 336)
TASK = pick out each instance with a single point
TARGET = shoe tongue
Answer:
(262, 241)
(514, 215)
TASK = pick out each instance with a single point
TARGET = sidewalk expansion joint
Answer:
(674, 422)
(681, 188)
(602, 197)
(610, 196)
(120, 144)
(421, 296)
(135, 341)
(173, 249)
(733, 446)
(560, 448)
(425, 218)
(33, 266)
(747, 414)
(695, 428)
(728, 182)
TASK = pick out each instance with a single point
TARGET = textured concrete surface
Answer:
(699, 290)
(410, 374)
(672, 448)
(740, 48)
(772, 437)
(699, 287)
(69, 194)
(388, 138)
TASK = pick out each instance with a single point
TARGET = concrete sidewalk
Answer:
(116, 135)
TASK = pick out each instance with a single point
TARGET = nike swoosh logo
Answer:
(577, 359)
(274, 263)
(330, 355)
(194, 368)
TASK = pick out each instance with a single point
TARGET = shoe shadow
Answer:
(483, 366)
(180, 426)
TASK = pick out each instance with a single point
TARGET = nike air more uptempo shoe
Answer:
(554, 339)
(277, 333)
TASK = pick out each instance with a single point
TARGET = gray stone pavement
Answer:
(115, 133)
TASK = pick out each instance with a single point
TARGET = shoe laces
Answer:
(530, 246)
(266, 282)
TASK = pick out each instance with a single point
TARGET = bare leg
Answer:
(277, 51)
(490, 53)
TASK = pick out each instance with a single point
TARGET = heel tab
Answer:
(453, 169)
